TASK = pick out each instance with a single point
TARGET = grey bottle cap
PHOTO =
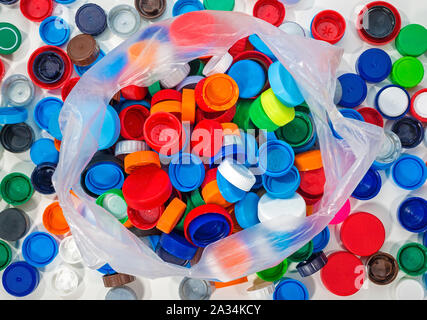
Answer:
(194, 289)
(123, 20)
(121, 293)
(17, 90)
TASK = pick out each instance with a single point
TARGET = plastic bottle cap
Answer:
(344, 273)
(354, 90)
(145, 219)
(237, 174)
(91, 19)
(54, 220)
(13, 115)
(68, 86)
(132, 119)
(165, 95)
(293, 28)
(372, 116)
(302, 253)
(259, 117)
(409, 172)
(150, 9)
(20, 279)
(312, 183)
(362, 234)
(43, 150)
(313, 264)
(184, 6)
(176, 76)
(382, 268)
(117, 279)
(41, 178)
(114, 202)
(407, 72)
(412, 214)
(409, 289)
(374, 65)
(217, 64)
(170, 106)
(171, 215)
(412, 259)
(5, 255)
(269, 10)
(229, 192)
(195, 289)
(123, 20)
(17, 91)
(293, 208)
(65, 281)
(54, 31)
(412, 40)
(342, 214)
(10, 38)
(298, 132)
(419, 105)
(189, 82)
(17, 138)
(219, 92)
(321, 240)
(36, 10)
(44, 109)
(16, 188)
(249, 76)
(125, 147)
(83, 50)
(188, 112)
(309, 160)
(290, 289)
(14, 224)
(103, 176)
(207, 138)
(392, 102)
(69, 251)
(121, 293)
(260, 46)
(212, 195)
(410, 132)
(246, 210)
(138, 159)
(110, 130)
(274, 273)
(186, 172)
(329, 26)
(278, 113)
(276, 158)
(39, 249)
(283, 186)
(221, 5)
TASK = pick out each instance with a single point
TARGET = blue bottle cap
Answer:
(251, 149)
(176, 245)
(106, 269)
(54, 31)
(258, 183)
(184, 6)
(354, 90)
(246, 210)
(20, 279)
(369, 186)
(260, 46)
(39, 249)
(154, 241)
(104, 176)
(48, 67)
(290, 289)
(284, 86)
(412, 214)
(410, 132)
(230, 192)
(43, 150)
(127, 103)
(53, 125)
(13, 115)
(208, 228)
(45, 109)
(374, 65)
(409, 172)
(91, 19)
(249, 76)
(234, 151)
(349, 114)
(392, 102)
(170, 258)
(284, 186)
(82, 70)
(110, 131)
(425, 239)
(380, 165)
(276, 158)
(186, 172)
(41, 178)
(65, 1)
(321, 240)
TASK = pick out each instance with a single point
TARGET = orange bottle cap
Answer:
(188, 105)
(230, 128)
(309, 210)
(220, 92)
(139, 159)
(309, 160)
(171, 215)
(57, 144)
(54, 220)
(230, 283)
(128, 224)
(211, 194)
(171, 106)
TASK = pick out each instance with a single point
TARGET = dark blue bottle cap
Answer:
(45, 109)
(170, 258)
(258, 183)
(91, 19)
(184, 6)
(17, 138)
(290, 289)
(41, 178)
(186, 172)
(12, 115)
(8, 2)
(82, 70)
(313, 264)
(354, 90)
(54, 31)
(284, 186)
(230, 192)
(410, 131)
(409, 172)
(20, 279)
(106, 269)
(412, 214)
(261, 46)
(249, 76)
(208, 228)
(176, 245)
(104, 176)
(48, 67)
(349, 114)
(321, 240)
(276, 157)
(39, 249)
(246, 210)
(369, 186)
(392, 102)
(43, 150)
(110, 130)
(374, 65)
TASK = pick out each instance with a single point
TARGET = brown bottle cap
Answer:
(382, 268)
(83, 50)
(115, 99)
(150, 9)
(117, 279)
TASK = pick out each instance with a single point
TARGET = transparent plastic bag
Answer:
(155, 52)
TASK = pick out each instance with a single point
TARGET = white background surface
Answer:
(383, 206)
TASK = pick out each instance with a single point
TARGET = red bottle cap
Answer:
(207, 138)
(272, 11)
(329, 26)
(162, 132)
(372, 116)
(240, 46)
(210, 175)
(2, 70)
(145, 219)
(36, 10)
(309, 200)
(312, 183)
(221, 116)
(68, 86)
(362, 234)
(343, 274)
(132, 120)
(418, 105)
(166, 94)
(134, 92)
(146, 188)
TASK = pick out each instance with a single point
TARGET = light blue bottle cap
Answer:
(409, 172)
(82, 70)
(13, 115)
(110, 131)
(290, 289)
(369, 186)
(104, 176)
(65, 1)
(249, 76)
(186, 172)
(20, 279)
(121, 293)
(53, 126)
(246, 210)
(39, 249)
(276, 158)
(321, 240)
(45, 109)
(251, 149)
(184, 6)
(54, 31)
(261, 46)
(284, 86)
(230, 192)
(154, 241)
(284, 186)
(43, 150)
(354, 90)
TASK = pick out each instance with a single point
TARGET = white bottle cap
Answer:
(65, 280)
(129, 146)
(116, 205)
(409, 289)
(218, 64)
(291, 27)
(68, 251)
(176, 76)
(393, 101)
(270, 208)
(420, 105)
(261, 290)
(237, 174)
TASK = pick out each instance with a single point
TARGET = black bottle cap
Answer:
(313, 264)
(379, 22)
(410, 132)
(14, 224)
(7, 2)
(17, 137)
(41, 178)
(48, 67)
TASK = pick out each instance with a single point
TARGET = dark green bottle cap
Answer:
(412, 40)
(297, 132)
(10, 38)
(241, 118)
(16, 188)
(302, 254)
(412, 259)
(5, 255)
(275, 273)
(154, 88)
(196, 67)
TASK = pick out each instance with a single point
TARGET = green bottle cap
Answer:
(196, 67)
(16, 188)
(412, 259)
(10, 38)
(241, 118)
(412, 40)
(5, 255)
(407, 72)
(303, 108)
(154, 88)
(259, 117)
(196, 198)
(297, 132)
(275, 273)
(302, 254)
(190, 206)
(222, 5)
(114, 202)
